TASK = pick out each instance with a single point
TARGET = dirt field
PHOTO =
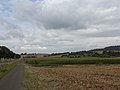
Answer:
(89, 77)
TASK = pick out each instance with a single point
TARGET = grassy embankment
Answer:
(4, 69)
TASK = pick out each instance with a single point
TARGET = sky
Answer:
(48, 26)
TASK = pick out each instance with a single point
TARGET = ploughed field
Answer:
(48, 76)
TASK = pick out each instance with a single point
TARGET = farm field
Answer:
(72, 61)
(66, 74)
(84, 77)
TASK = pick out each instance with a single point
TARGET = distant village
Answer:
(23, 56)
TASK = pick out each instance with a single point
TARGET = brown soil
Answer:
(89, 77)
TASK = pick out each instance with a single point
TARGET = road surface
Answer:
(14, 79)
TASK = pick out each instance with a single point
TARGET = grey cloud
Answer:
(15, 34)
(5, 25)
(60, 25)
(70, 14)
(68, 40)
(112, 33)
(2, 38)
(9, 30)
(56, 15)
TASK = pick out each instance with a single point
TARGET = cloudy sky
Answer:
(47, 26)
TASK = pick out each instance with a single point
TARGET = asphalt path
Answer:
(14, 79)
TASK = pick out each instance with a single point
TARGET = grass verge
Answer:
(28, 82)
(4, 69)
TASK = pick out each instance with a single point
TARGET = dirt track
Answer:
(13, 80)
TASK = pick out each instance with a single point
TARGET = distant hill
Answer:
(114, 48)
(111, 51)
(110, 48)
(7, 53)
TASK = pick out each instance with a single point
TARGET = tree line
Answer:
(7, 53)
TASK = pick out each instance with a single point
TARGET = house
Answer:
(34, 55)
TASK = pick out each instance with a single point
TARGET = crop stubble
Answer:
(73, 77)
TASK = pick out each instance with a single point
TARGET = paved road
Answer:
(14, 79)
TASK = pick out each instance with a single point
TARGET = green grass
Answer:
(4, 69)
(72, 61)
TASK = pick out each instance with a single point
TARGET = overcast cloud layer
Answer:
(47, 26)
